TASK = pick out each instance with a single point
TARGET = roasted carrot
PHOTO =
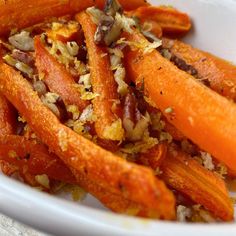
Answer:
(103, 83)
(19, 14)
(115, 202)
(186, 175)
(31, 159)
(127, 5)
(175, 133)
(155, 27)
(202, 115)
(7, 113)
(172, 22)
(218, 73)
(7, 117)
(34, 158)
(79, 153)
(57, 78)
(154, 157)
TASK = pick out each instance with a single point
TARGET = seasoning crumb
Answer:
(169, 110)
(63, 142)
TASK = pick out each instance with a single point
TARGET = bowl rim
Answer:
(27, 200)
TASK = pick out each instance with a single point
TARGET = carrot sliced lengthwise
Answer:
(57, 78)
(202, 115)
(19, 14)
(172, 22)
(220, 74)
(106, 108)
(78, 153)
(186, 175)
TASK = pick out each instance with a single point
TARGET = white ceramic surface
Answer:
(214, 22)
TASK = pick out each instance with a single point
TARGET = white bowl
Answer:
(214, 22)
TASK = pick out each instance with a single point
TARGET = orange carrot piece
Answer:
(57, 78)
(154, 157)
(34, 158)
(115, 202)
(155, 28)
(175, 133)
(7, 117)
(78, 153)
(172, 22)
(127, 5)
(202, 115)
(19, 14)
(103, 82)
(186, 175)
(220, 74)
(7, 113)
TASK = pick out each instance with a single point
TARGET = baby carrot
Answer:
(103, 83)
(202, 115)
(218, 73)
(57, 78)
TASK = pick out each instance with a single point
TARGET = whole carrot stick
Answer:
(110, 171)
(57, 78)
(103, 83)
(220, 74)
(34, 159)
(187, 176)
(202, 115)
(19, 14)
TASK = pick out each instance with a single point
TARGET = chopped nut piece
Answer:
(22, 41)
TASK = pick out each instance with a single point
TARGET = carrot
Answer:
(187, 176)
(172, 22)
(127, 5)
(202, 115)
(33, 158)
(182, 173)
(57, 78)
(19, 14)
(103, 83)
(115, 202)
(109, 171)
(220, 74)
(154, 157)
(7, 113)
(175, 133)
(7, 117)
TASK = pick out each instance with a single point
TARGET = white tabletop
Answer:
(9, 227)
